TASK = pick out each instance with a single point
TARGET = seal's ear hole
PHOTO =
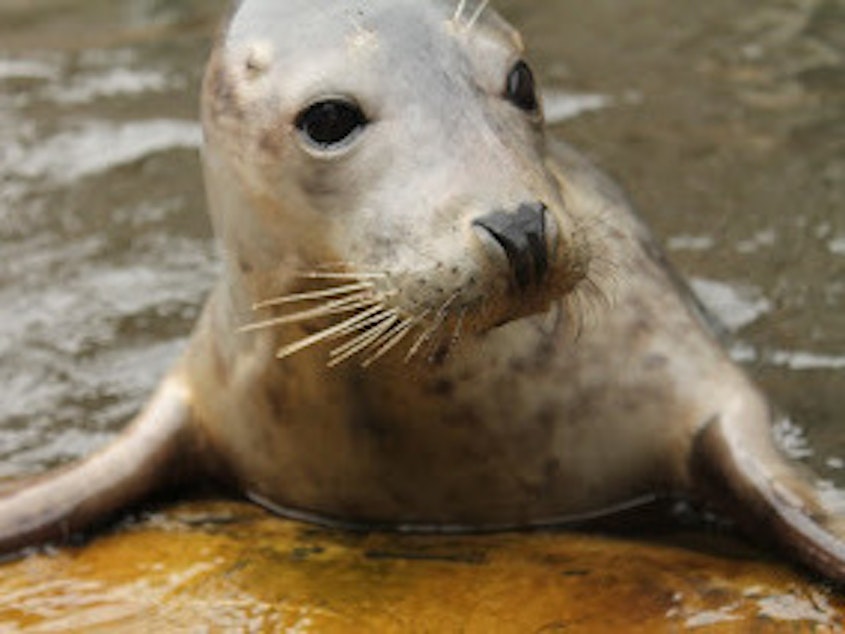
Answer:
(330, 123)
(521, 89)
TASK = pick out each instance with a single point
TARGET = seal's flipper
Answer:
(769, 500)
(149, 455)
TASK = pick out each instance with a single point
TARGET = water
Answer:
(105, 249)
(727, 128)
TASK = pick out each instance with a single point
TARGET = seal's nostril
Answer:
(522, 236)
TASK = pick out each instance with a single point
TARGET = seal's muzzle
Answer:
(522, 236)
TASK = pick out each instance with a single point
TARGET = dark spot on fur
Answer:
(546, 418)
(551, 470)
(275, 403)
(224, 99)
(246, 267)
(440, 354)
(271, 141)
(372, 426)
(443, 387)
(517, 365)
(322, 182)
(360, 416)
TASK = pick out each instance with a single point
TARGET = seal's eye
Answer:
(521, 89)
(327, 124)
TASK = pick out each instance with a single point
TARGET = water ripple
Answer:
(95, 147)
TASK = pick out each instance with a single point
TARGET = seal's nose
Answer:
(522, 236)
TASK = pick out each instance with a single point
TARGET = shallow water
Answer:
(727, 127)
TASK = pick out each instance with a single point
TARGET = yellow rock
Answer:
(229, 567)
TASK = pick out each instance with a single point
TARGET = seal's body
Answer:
(430, 317)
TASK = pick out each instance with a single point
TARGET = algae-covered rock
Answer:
(228, 567)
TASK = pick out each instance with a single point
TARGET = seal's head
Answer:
(392, 153)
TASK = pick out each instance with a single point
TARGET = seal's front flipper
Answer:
(769, 499)
(152, 453)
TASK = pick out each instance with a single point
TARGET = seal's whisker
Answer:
(435, 325)
(312, 295)
(459, 324)
(384, 331)
(361, 300)
(435, 338)
(605, 277)
(362, 327)
(364, 331)
(445, 310)
(365, 340)
(590, 298)
(478, 12)
(302, 344)
(596, 293)
(388, 333)
(603, 269)
(415, 346)
(331, 308)
(361, 343)
(459, 11)
(586, 305)
(396, 336)
(573, 312)
(437, 347)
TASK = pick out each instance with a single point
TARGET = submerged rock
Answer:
(220, 566)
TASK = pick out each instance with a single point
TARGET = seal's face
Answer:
(392, 152)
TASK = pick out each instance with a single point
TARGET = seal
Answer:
(430, 315)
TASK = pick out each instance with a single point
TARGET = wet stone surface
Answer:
(230, 567)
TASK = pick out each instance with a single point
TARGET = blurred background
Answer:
(726, 124)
